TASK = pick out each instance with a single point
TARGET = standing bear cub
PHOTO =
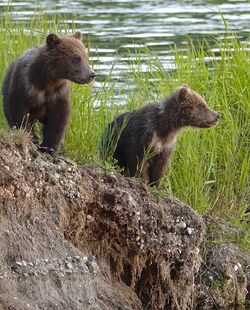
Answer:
(36, 86)
(142, 141)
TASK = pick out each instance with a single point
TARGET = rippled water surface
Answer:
(119, 25)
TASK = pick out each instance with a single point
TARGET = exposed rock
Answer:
(223, 281)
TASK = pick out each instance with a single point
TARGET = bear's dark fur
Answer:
(36, 86)
(142, 141)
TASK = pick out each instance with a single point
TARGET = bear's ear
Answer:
(183, 91)
(77, 35)
(52, 40)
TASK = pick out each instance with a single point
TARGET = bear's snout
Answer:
(211, 119)
(218, 116)
(84, 77)
(89, 77)
(92, 75)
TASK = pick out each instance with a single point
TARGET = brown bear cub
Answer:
(142, 141)
(36, 86)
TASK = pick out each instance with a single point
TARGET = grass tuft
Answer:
(19, 137)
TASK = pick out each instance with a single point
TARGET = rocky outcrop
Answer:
(223, 281)
(79, 237)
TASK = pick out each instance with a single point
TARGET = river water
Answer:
(119, 25)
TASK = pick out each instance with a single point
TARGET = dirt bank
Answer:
(82, 238)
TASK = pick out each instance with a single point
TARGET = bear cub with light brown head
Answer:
(142, 141)
(36, 86)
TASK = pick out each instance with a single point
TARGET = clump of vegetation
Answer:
(19, 137)
(210, 168)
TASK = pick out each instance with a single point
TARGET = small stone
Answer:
(68, 271)
(91, 258)
(16, 266)
(51, 267)
(24, 263)
(89, 261)
(90, 218)
(69, 265)
(78, 194)
(129, 199)
(181, 224)
(190, 230)
(77, 258)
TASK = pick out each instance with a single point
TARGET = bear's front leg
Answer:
(55, 125)
(158, 166)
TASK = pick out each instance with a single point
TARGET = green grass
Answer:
(210, 168)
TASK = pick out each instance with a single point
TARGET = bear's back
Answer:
(130, 132)
(18, 70)
(15, 81)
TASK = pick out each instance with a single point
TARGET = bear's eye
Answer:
(76, 59)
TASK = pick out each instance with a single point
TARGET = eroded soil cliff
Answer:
(78, 237)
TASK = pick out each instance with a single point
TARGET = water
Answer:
(119, 25)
